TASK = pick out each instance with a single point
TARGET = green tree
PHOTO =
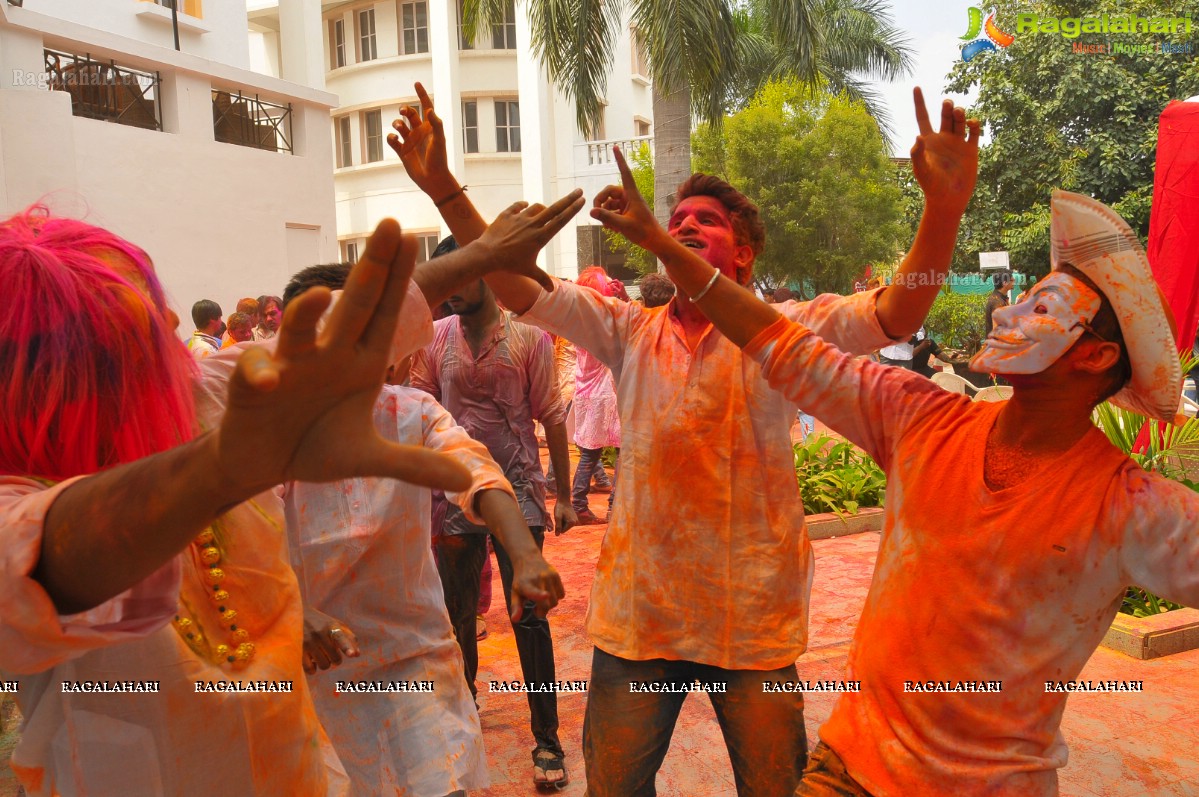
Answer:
(1061, 119)
(817, 168)
(703, 56)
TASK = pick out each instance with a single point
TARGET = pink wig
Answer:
(93, 377)
(598, 280)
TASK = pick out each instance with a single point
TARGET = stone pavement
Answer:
(1121, 744)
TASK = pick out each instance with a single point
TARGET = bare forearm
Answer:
(439, 278)
(903, 305)
(504, 519)
(108, 532)
(736, 312)
(555, 440)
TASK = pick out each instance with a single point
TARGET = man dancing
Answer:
(1012, 528)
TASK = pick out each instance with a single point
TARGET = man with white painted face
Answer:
(1012, 528)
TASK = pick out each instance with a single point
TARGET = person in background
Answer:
(496, 375)
(1003, 282)
(897, 354)
(240, 329)
(656, 290)
(270, 313)
(597, 421)
(250, 308)
(206, 340)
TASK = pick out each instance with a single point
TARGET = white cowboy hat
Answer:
(1094, 239)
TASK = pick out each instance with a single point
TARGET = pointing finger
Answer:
(921, 112)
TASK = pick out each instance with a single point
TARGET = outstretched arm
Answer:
(422, 149)
(303, 413)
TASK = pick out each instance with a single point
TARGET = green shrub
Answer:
(837, 476)
(957, 320)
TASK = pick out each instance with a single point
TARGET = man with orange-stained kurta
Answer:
(704, 573)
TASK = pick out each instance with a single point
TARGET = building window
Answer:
(414, 27)
(426, 243)
(503, 35)
(470, 127)
(345, 152)
(351, 252)
(464, 42)
(641, 126)
(507, 126)
(373, 122)
(339, 43)
(597, 131)
(640, 61)
(366, 35)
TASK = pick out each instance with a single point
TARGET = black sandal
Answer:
(545, 761)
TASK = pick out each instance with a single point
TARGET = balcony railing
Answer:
(251, 121)
(599, 153)
(104, 90)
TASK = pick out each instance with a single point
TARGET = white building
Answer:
(511, 137)
(144, 139)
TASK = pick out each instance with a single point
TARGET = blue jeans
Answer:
(589, 461)
(626, 734)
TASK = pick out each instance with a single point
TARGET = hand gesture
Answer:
(536, 580)
(305, 412)
(946, 162)
(565, 517)
(621, 208)
(325, 641)
(421, 146)
(520, 232)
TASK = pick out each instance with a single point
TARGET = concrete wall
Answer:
(221, 221)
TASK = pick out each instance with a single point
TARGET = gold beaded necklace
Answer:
(238, 650)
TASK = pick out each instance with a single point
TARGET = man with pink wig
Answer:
(152, 621)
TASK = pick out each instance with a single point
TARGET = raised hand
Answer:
(305, 412)
(621, 208)
(421, 147)
(521, 231)
(945, 163)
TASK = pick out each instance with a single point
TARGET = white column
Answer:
(446, 89)
(302, 43)
(536, 130)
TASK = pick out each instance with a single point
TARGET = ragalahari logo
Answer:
(981, 36)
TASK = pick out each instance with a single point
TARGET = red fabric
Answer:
(1174, 224)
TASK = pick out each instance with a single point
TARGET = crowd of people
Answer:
(272, 545)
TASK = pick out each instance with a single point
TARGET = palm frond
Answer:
(575, 41)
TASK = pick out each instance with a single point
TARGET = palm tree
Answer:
(706, 57)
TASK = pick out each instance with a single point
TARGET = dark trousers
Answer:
(626, 734)
(589, 461)
(459, 563)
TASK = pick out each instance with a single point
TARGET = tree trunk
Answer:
(672, 147)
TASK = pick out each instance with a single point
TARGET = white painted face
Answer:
(1030, 336)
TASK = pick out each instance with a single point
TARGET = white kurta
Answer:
(362, 552)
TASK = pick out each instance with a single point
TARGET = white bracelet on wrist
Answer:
(708, 287)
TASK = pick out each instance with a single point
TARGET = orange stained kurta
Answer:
(706, 558)
(177, 742)
(974, 585)
(364, 557)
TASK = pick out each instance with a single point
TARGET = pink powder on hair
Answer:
(93, 375)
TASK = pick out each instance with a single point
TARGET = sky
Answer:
(933, 28)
